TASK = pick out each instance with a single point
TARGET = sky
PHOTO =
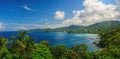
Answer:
(35, 14)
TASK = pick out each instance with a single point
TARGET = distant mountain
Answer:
(95, 28)
(74, 26)
(70, 27)
(104, 24)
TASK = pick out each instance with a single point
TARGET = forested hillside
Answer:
(95, 28)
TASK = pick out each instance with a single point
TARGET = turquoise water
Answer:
(57, 38)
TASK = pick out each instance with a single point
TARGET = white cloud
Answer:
(21, 28)
(94, 11)
(1, 26)
(59, 15)
(16, 26)
(52, 26)
(27, 8)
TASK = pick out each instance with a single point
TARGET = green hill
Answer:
(95, 28)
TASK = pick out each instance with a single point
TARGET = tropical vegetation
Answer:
(24, 47)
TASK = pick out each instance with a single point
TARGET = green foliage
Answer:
(111, 44)
(58, 51)
(81, 48)
(22, 47)
(101, 55)
(41, 52)
(4, 52)
(46, 43)
(70, 54)
(3, 42)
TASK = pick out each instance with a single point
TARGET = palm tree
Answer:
(29, 46)
(4, 52)
(3, 42)
(24, 45)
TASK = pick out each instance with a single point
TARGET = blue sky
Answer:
(12, 11)
(16, 14)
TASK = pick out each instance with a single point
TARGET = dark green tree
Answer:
(81, 48)
(70, 54)
(58, 51)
